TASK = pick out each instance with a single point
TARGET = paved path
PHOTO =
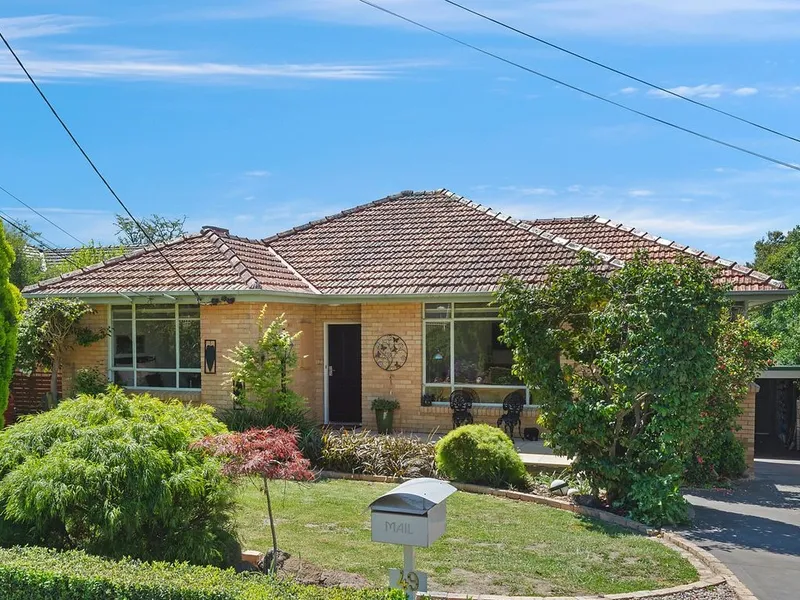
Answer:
(755, 529)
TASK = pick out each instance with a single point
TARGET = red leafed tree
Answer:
(269, 453)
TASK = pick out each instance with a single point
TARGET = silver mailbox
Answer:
(412, 514)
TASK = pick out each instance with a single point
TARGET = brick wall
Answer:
(95, 355)
(747, 424)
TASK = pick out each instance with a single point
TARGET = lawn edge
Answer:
(710, 569)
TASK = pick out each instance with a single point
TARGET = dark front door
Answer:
(344, 373)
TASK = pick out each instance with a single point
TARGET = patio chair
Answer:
(461, 405)
(512, 413)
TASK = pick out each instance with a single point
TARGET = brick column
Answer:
(747, 424)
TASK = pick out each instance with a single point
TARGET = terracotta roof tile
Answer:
(622, 242)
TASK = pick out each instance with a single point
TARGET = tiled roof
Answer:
(209, 261)
(55, 256)
(410, 243)
(623, 242)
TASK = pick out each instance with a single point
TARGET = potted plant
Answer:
(384, 413)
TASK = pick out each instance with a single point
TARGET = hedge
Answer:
(31, 573)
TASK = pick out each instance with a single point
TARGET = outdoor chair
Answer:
(461, 405)
(512, 413)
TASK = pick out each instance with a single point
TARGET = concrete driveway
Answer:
(755, 529)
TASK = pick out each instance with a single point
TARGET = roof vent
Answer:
(407, 193)
(214, 229)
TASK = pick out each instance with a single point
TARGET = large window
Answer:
(462, 350)
(156, 346)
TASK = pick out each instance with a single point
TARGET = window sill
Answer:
(162, 389)
(482, 407)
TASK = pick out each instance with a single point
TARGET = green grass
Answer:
(492, 545)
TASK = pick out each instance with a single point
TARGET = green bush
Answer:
(28, 573)
(480, 454)
(89, 381)
(391, 456)
(114, 475)
(282, 416)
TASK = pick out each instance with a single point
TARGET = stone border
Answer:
(710, 569)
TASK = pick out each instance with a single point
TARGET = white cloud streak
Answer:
(703, 91)
(109, 62)
(34, 26)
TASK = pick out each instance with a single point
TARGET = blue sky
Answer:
(261, 115)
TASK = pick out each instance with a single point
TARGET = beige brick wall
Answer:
(747, 424)
(83, 357)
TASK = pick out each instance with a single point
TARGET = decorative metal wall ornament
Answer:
(390, 352)
(210, 357)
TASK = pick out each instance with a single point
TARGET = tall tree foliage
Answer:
(778, 254)
(10, 305)
(49, 328)
(623, 364)
(27, 266)
(156, 227)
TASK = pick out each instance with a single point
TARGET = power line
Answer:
(94, 167)
(507, 61)
(597, 63)
(29, 207)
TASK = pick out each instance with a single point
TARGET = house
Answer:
(391, 297)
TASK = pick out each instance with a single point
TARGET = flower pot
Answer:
(385, 419)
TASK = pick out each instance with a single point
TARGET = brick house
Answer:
(400, 283)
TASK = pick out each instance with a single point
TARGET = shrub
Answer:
(10, 305)
(480, 454)
(624, 363)
(89, 381)
(368, 454)
(27, 573)
(742, 354)
(114, 475)
(385, 404)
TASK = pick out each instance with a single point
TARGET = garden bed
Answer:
(493, 545)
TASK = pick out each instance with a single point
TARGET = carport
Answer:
(777, 423)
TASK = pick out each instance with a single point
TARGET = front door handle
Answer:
(330, 371)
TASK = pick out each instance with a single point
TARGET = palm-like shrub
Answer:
(114, 475)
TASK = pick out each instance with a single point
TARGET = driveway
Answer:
(755, 529)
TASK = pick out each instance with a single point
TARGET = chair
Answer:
(512, 413)
(461, 405)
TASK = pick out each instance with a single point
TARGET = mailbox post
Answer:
(412, 515)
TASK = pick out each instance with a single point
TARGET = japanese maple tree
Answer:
(269, 453)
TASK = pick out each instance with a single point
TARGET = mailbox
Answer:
(412, 514)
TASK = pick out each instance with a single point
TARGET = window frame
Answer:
(134, 369)
(452, 385)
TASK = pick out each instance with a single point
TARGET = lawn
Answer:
(492, 545)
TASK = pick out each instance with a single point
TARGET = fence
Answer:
(27, 393)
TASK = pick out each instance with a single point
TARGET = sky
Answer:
(260, 115)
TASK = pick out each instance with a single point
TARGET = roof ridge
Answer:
(537, 231)
(584, 218)
(238, 265)
(111, 261)
(711, 258)
(292, 270)
(346, 212)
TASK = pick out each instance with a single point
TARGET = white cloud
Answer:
(530, 191)
(628, 90)
(110, 62)
(43, 25)
(733, 19)
(258, 173)
(704, 90)
(641, 193)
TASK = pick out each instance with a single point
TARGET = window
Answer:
(156, 346)
(462, 350)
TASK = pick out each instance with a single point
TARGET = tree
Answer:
(158, 229)
(49, 328)
(10, 305)
(27, 267)
(267, 453)
(778, 254)
(623, 364)
(86, 256)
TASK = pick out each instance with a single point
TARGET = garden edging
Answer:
(711, 571)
